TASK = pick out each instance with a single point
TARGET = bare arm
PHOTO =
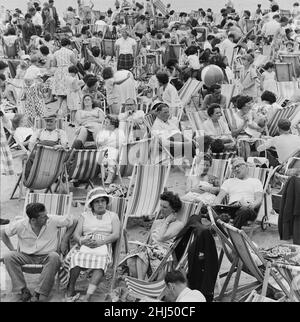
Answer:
(6, 240)
(78, 230)
(220, 197)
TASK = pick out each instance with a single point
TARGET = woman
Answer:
(63, 59)
(95, 232)
(119, 86)
(216, 127)
(203, 187)
(163, 231)
(6, 160)
(110, 138)
(268, 106)
(89, 119)
(214, 97)
(248, 77)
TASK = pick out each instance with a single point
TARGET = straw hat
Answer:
(95, 194)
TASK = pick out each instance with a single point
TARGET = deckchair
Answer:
(56, 204)
(47, 167)
(191, 87)
(294, 59)
(196, 119)
(228, 90)
(249, 257)
(284, 72)
(224, 155)
(290, 283)
(83, 166)
(287, 89)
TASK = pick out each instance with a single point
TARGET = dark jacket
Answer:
(290, 210)
(202, 257)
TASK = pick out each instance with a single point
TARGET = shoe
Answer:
(35, 298)
(74, 298)
(4, 221)
(25, 295)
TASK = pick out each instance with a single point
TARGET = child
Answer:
(268, 78)
(74, 96)
(193, 64)
(21, 132)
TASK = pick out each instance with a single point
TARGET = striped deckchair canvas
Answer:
(56, 204)
(191, 87)
(144, 198)
(48, 165)
(84, 165)
(290, 275)
(224, 155)
(287, 112)
(287, 89)
(228, 90)
(229, 117)
(160, 6)
(39, 123)
(196, 119)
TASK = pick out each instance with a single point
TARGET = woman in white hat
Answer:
(96, 230)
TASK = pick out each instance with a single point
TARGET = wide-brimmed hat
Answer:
(95, 194)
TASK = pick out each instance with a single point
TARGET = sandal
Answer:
(74, 298)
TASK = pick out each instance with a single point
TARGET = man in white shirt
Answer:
(101, 25)
(38, 244)
(245, 194)
(272, 27)
(177, 290)
(227, 47)
(207, 43)
(125, 51)
(286, 144)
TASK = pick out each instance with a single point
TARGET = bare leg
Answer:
(74, 274)
(142, 269)
(131, 262)
(95, 281)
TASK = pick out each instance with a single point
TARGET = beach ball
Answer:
(211, 75)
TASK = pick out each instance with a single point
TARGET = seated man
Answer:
(37, 242)
(245, 194)
(286, 144)
(167, 129)
(50, 136)
(177, 290)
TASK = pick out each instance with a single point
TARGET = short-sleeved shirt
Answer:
(126, 45)
(47, 240)
(242, 190)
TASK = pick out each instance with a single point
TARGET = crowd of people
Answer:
(118, 76)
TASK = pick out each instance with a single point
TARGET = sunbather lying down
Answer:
(147, 257)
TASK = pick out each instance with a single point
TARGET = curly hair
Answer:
(113, 121)
(173, 200)
(34, 209)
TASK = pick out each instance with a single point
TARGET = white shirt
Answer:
(285, 144)
(242, 190)
(37, 19)
(193, 61)
(32, 73)
(207, 45)
(165, 130)
(170, 96)
(126, 45)
(226, 49)
(270, 28)
(101, 26)
(188, 295)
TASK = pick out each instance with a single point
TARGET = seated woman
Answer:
(90, 120)
(217, 127)
(268, 106)
(203, 187)
(96, 230)
(214, 97)
(163, 231)
(110, 138)
(245, 127)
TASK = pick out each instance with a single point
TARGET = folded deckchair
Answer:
(56, 204)
(191, 87)
(47, 167)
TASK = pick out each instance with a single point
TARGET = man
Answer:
(140, 28)
(50, 136)
(37, 20)
(227, 47)
(28, 29)
(245, 194)
(38, 243)
(53, 12)
(271, 28)
(208, 41)
(286, 144)
(101, 25)
(178, 291)
(125, 51)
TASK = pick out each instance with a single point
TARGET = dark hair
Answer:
(87, 65)
(235, 98)
(95, 51)
(2, 77)
(175, 277)
(191, 50)
(211, 109)
(34, 209)
(210, 37)
(215, 87)
(173, 200)
(162, 78)
(28, 16)
(47, 37)
(73, 69)
(44, 50)
(242, 101)
(65, 42)
(114, 121)
(268, 96)
(230, 35)
(284, 124)
(274, 8)
(217, 146)
(91, 81)
(107, 73)
(159, 106)
(208, 158)
(283, 19)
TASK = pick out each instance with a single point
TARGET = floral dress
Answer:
(64, 60)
